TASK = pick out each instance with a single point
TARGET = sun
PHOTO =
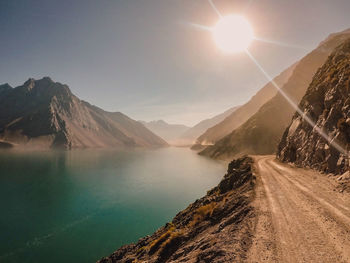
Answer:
(233, 34)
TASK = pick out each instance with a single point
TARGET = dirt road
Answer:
(301, 218)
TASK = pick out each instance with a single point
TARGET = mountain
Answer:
(261, 133)
(190, 136)
(169, 132)
(44, 113)
(327, 103)
(239, 116)
(5, 87)
(215, 228)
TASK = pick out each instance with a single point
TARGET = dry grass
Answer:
(154, 246)
(202, 212)
(165, 239)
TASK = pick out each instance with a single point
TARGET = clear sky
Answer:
(142, 57)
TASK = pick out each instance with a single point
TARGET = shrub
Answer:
(202, 212)
(158, 242)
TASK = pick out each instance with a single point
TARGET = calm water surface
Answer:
(78, 206)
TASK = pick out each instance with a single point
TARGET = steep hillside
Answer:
(216, 228)
(44, 113)
(169, 132)
(190, 136)
(327, 103)
(261, 133)
(244, 112)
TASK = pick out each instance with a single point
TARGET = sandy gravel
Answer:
(301, 217)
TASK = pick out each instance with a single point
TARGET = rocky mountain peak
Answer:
(46, 88)
(47, 79)
(44, 113)
(29, 84)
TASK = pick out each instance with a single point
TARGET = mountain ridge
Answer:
(43, 113)
(261, 133)
(238, 117)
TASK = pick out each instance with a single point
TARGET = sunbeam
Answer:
(300, 112)
(200, 27)
(214, 7)
(278, 43)
(233, 34)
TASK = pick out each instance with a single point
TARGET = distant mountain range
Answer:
(261, 133)
(190, 136)
(43, 113)
(182, 135)
(169, 132)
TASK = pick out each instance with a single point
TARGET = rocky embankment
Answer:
(327, 103)
(216, 228)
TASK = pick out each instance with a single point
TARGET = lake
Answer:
(77, 206)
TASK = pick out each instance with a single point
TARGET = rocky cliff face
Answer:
(327, 103)
(215, 228)
(43, 113)
(261, 133)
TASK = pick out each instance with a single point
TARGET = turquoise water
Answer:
(78, 206)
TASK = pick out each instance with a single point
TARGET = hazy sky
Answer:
(143, 58)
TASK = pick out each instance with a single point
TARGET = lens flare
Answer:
(306, 118)
(233, 34)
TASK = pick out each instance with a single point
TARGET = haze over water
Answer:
(78, 206)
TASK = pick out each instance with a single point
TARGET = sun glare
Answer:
(233, 34)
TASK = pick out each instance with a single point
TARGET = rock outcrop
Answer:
(327, 103)
(261, 133)
(43, 113)
(215, 228)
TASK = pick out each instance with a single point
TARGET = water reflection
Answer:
(80, 205)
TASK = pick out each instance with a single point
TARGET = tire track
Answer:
(310, 223)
